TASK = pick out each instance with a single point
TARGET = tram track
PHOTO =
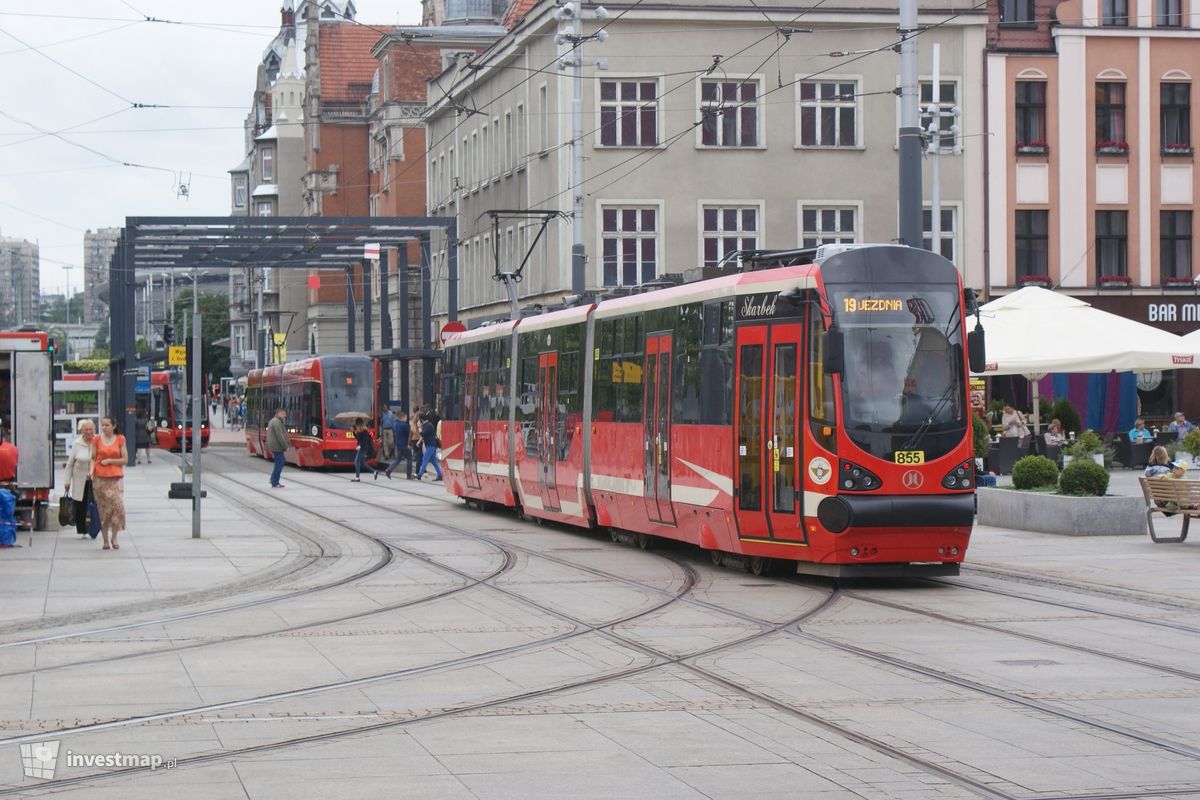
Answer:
(660, 659)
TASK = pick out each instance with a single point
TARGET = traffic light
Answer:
(51, 347)
(168, 333)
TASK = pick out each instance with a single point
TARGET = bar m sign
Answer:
(1173, 312)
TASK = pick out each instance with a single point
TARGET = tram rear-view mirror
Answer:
(834, 351)
(976, 350)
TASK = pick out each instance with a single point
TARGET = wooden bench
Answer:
(1183, 497)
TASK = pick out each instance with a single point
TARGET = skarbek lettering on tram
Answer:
(814, 415)
(322, 396)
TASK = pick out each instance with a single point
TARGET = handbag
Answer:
(66, 511)
(93, 518)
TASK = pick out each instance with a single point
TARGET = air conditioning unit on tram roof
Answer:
(830, 250)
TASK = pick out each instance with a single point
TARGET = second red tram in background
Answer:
(172, 413)
(322, 396)
(813, 414)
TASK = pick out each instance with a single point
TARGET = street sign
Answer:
(177, 355)
(452, 327)
(143, 374)
(371, 250)
(141, 387)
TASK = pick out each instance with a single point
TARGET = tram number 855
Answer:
(910, 456)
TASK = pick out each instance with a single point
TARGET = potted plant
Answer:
(1177, 149)
(1086, 446)
(1035, 280)
(1114, 281)
(1178, 282)
(1186, 449)
(1112, 147)
(1035, 147)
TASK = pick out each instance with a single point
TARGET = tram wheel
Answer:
(614, 535)
(645, 541)
(717, 557)
(760, 565)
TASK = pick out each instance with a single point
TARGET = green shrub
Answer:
(1191, 442)
(980, 435)
(1064, 412)
(1083, 479)
(1034, 472)
(1090, 442)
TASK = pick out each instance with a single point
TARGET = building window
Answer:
(1168, 13)
(820, 226)
(1175, 104)
(1175, 245)
(1110, 116)
(630, 239)
(1033, 243)
(268, 164)
(728, 230)
(828, 114)
(1112, 244)
(1031, 115)
(1016, 11)
(628, 113)
(543, 120)
(239, 340)
(730, 113)
(520, 143)
(947, 100)
(946, 232)
(239, 191)
(264, 208)
(1114, 13)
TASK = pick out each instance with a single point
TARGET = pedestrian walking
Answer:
(414, 443)
(401, 435)
(429, 441)
(109, 456)
(144, 427)
(365, 450)
(387, 436)
(79, 474)
(277, 443)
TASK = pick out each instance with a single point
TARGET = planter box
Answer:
(1110, 515)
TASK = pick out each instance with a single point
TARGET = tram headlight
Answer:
(961, 476)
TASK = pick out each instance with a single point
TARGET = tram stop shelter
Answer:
(224, 243)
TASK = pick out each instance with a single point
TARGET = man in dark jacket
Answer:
(277, 443)
(401, 434)
(429, 441)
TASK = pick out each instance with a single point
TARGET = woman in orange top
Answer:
(109, 457)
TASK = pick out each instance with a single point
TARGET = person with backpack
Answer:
(401, 435)
(365, 450)
(430, 442)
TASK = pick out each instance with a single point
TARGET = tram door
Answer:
(470, 422)
(547, 428)
(656, 442)
(767, 432)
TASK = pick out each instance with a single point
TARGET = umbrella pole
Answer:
(1037, 422)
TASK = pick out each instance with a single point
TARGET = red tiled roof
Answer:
(347, 65)
(517, 9)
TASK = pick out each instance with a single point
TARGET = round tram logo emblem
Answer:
(819, 470)
(912, 480)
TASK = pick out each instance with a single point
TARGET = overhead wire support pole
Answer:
(197, 401)
(910, 232)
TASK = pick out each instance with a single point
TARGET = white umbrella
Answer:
(1034, 331)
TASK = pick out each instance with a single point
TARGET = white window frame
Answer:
(856, 102)
(266, 158)
(659, 250)
(521, 148)
(829, 205)
(952, 236)
(760, 106)
(740, 204)
(618, 78)
(544, 120)
(241, 185)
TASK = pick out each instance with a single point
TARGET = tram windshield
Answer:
(349, 388)
(182, 410)
(903, 388)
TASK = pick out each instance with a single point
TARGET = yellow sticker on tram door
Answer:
(910, 456)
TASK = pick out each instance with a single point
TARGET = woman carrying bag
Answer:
(79, 482)
(109, 456)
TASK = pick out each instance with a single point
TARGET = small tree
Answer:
(1064, 412)
(979, 432)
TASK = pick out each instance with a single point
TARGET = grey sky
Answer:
(51, 188)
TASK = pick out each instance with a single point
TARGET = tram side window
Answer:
(685, 397)
(500, 387)
(311, 408)
(569, 342)
(820, 384)
(451, 398)
(629, 393)
(603, 391)
(716, 365)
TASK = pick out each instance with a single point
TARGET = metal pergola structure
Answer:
(225, 243)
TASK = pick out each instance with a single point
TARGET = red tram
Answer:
(321, 396)
(172, 412)
(813, 414)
